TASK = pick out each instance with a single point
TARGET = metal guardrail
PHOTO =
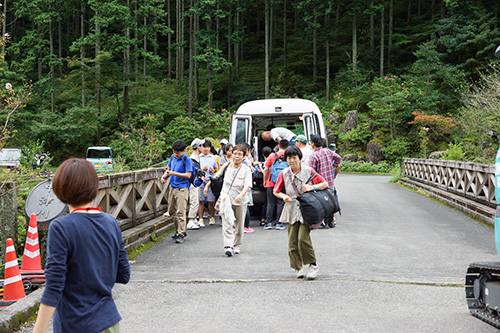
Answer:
(473, 181)
(133, 197)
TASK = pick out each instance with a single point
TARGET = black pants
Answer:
(247, 218)
(274, 206)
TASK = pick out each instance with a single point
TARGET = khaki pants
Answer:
(177, 203)
(194, 201)
(300, 248)
(113, 329)
(234, 238)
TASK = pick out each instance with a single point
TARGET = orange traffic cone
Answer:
(31, 266)
(13, 288)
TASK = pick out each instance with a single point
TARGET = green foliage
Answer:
(356, 139)
(454, 152)
(396, 149)
(182, 128)
(366, 167)
(395, 172)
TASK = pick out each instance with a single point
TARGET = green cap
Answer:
(301, 138)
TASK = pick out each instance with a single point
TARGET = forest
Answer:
(138, 74)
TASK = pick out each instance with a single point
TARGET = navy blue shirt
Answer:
(181, 166)
(85, 257)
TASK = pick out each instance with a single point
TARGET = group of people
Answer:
(299, 158)
(78, 296)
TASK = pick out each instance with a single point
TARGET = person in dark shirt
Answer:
(85, 258)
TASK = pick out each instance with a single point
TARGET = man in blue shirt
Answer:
(179, 168)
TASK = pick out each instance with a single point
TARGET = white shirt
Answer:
(283, 133)
(306, 153)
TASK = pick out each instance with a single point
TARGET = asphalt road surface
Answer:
(396, 262)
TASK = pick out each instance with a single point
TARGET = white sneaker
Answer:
(192, 225)
(202, 224)
(313, 272)
(300, 273)
(212, 221)
(236, 251)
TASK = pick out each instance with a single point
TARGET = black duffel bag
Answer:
(316, 206)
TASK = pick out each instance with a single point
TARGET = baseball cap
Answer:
(301, 138)
(223, 142)
(196, 143)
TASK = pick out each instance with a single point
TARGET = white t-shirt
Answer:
(306, 153)
(243, 178)
(283, 133)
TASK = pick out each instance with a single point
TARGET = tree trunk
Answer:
(4, 30)
(52, 69)
(126, 68)
(98, 74)
(266, 13)
(443, 9)
(382, 21)
(178, 41)
(82, 51)
(229, 74)
(372, 29)
(237, 44)
(354, 48)
(391, 24)
(315, 47)
(284, 39)
(196, 73)
(145, 49)
(59, 46)
(190, 79)
(210, 72)
(136, 48)
(327, 56)
(169, 43)
(408, 14)
(271, 31)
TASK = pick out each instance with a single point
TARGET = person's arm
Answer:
(185, 175)
(318, 183)
(280, 184)
(205, 190)
(45, 313)
(123, 273)
(240, 196)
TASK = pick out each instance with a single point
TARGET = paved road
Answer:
(392, 264)
(395, 263)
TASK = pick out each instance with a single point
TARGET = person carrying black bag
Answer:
(293, 179)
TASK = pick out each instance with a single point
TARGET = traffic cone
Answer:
(31, 266)
(13, 288)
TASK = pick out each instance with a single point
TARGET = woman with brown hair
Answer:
(85, 258)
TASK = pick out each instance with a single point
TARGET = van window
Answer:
(241, 131)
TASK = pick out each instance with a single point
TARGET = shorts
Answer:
(210, 197)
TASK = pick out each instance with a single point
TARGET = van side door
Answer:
(241, 129)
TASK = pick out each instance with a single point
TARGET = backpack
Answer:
(195, 174)
(278, 165)
(216, 184)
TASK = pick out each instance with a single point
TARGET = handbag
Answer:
(315, 206)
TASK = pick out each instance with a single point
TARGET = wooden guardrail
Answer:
(132, 197)
(473, 181)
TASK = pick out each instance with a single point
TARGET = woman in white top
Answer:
(233, 205)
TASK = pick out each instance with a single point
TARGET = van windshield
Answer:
(98, 153)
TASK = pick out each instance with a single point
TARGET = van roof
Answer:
(277, 106)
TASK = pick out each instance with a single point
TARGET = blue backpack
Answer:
(196, 174)
(278, 165)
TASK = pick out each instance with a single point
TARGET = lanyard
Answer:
(86, 209)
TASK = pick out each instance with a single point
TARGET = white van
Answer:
(252, 118)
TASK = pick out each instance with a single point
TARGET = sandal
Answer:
(262, 223)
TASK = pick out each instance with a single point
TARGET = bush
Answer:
(396, 150)
(366, 167)
(454, 152)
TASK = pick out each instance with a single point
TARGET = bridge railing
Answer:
(132, 197)
(473, 181)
